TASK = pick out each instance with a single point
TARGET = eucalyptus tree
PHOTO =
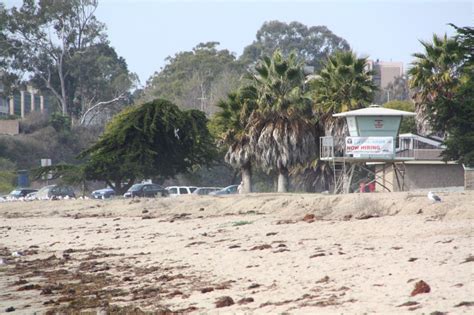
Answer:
(195, 79)
(229, 125)
(311, 44)
(281, 129)
(62, 48)
(434, 75)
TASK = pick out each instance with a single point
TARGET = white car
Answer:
(175, 191)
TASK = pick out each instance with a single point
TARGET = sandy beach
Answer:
(256, 253)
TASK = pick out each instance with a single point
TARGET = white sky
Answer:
(145, 32)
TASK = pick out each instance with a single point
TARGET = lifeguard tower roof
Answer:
(374, 110)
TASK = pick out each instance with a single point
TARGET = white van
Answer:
(175, 191)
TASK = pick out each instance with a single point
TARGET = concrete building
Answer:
(385, 71)
(425, 171)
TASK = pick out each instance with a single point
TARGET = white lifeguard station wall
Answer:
(373, 133)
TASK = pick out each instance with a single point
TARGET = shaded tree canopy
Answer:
(149, 140)
(311, 44)
(195, 79)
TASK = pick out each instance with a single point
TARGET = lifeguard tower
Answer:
(373, 137)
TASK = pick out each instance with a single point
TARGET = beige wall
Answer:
(469, 179)
(9, 127)
(422, 176)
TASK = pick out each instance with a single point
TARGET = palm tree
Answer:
(229, 125)
(434, 74)
(281, 131)
(344, 84)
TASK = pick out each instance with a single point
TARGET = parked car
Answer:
(19, 193)
(175, 191)
(205, 190)
(229, 190)
(51, 192)
(146, 190)
(103, 193)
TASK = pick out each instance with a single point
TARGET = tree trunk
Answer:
(283, 180)
(63, 86)
(246, 170)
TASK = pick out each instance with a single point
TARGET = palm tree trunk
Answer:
(283, 180)
(246, 170)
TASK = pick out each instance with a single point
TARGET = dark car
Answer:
(103, 193)
(53, 192)
(20, 193)
(146, 190)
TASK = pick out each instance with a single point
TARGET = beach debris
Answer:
(420, 211)
(285, 222)
(245, 300)
(317, 255)
(206, 290)
(29, 287)
(366, 216)
(147, 217)
(261, 247)
(309, 218)
(17, 254)
(468, 259)
(324, 279)
(464, 303)
(434, 198)
(10, 309)
(409, 303)
(224, 301)
(271, 233)
(412, 259)
(201, 209)
(234, 246)
(144, 211)
(254, 286)
(2, 262)
(421, 287)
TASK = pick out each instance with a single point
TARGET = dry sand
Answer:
(357, 253)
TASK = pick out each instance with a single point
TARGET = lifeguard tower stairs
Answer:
(373, 138)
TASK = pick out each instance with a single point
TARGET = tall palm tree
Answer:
(229, 125)
(434, 74)
(281, 131)
(344, 83)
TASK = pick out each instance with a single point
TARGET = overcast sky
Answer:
(145, 32)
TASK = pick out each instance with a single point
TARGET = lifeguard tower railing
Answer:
(345, 153)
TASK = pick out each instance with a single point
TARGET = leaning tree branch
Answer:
(100, 104)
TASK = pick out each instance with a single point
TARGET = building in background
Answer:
(22, 102)
(385, 71)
